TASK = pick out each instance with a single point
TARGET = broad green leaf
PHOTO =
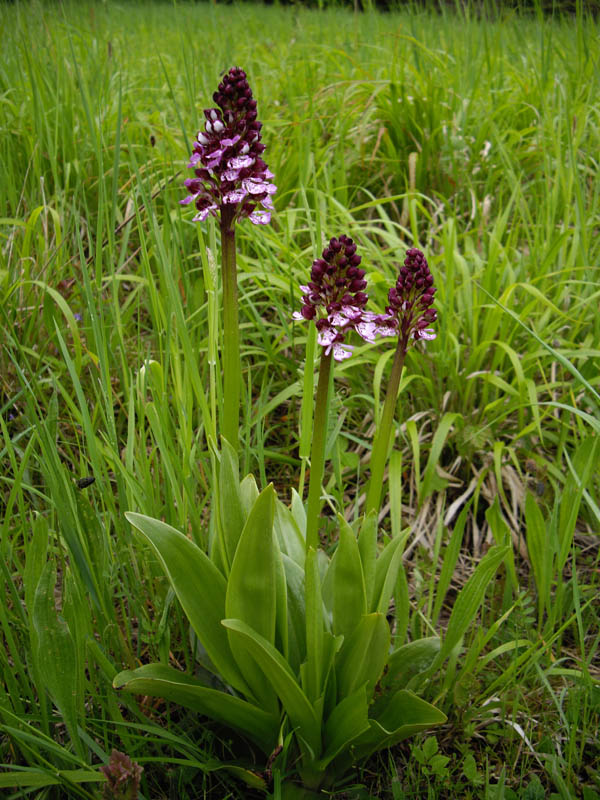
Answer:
(409, 660)
(294, 576)
(363, 655)
(389, 581)
(251, 594)
(299, 710)
(348, 720)
(231, 512)
(281, 610)
(405, 714)
(57, 656)
(200, 588)
(291, 541)
(248, 494)
(387, 563)
(298, 510)
(349, 594)
(468, 601)
(367, 546)
(159, 680)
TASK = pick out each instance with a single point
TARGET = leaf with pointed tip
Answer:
(200, 588)
(251, 594)
(405, 714)
(386, 568)
(348, 720)
(159, 680)
(367, 545)
(231, 512)
(299, 709)
(363, 655)
(291, 540)
(468, 601)
(410, 660)
(349, 594)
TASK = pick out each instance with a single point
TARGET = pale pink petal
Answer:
(240, 162)
(202, 215)
(341, 351)
(260, 217)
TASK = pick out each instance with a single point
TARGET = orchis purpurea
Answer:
(409, 316)
(231, 182)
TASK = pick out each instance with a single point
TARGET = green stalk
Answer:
(231, 336)
(317, 453)
(382, 438)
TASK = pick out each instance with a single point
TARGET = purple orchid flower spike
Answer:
(409, 314)
(335, 298)
(227, 158)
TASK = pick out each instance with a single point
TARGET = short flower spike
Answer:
(227, 158)
(335, 298)
(409, 313)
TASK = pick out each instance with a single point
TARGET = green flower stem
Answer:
(382, 438)
(231, 335)
(317, 453)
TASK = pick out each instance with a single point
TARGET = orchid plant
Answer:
(294, 647)
(231, 182)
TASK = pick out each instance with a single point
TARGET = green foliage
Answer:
(325, 699)
(473, 135)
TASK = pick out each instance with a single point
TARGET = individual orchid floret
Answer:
(409, 314)
(335, 298)
(227, 159)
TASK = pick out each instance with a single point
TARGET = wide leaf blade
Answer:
(200, 588)
(276, 669)
(160, 680)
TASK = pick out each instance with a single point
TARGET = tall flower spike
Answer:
(335, 298)
(227, 158)
(409, 313)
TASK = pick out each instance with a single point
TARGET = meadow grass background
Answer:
(477, 141)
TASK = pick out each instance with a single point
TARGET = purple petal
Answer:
(230, 175)
(230, 142)
(187, 200)
(235, 196)
(253, 187)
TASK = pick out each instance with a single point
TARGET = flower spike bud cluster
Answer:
(335, 298)
(227, 158)
(409, 313)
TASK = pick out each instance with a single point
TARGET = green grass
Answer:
(477, 141)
